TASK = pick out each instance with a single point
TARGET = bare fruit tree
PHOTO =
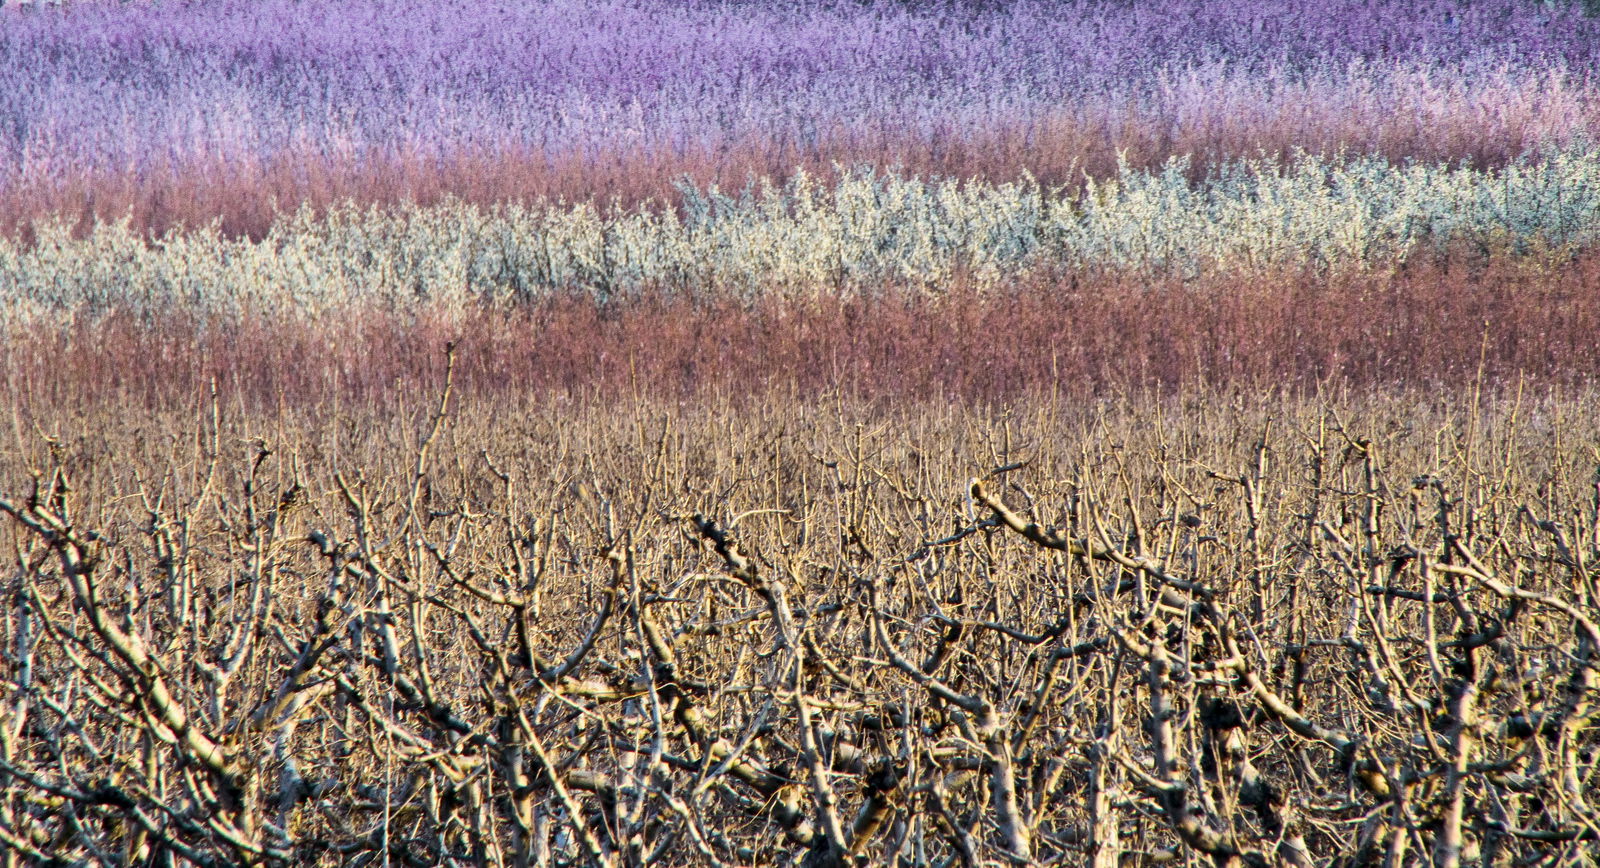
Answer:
(819, 647)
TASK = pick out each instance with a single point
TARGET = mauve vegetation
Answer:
(922, 434)
(179, 113)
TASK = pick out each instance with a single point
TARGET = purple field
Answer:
(180, 113)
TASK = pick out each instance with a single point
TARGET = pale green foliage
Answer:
(1362, 212)
(865, 230)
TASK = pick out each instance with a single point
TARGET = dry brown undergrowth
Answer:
(1244, 630)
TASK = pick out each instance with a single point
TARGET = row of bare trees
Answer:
(734, 638)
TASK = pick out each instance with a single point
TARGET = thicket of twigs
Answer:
(1183, 629)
